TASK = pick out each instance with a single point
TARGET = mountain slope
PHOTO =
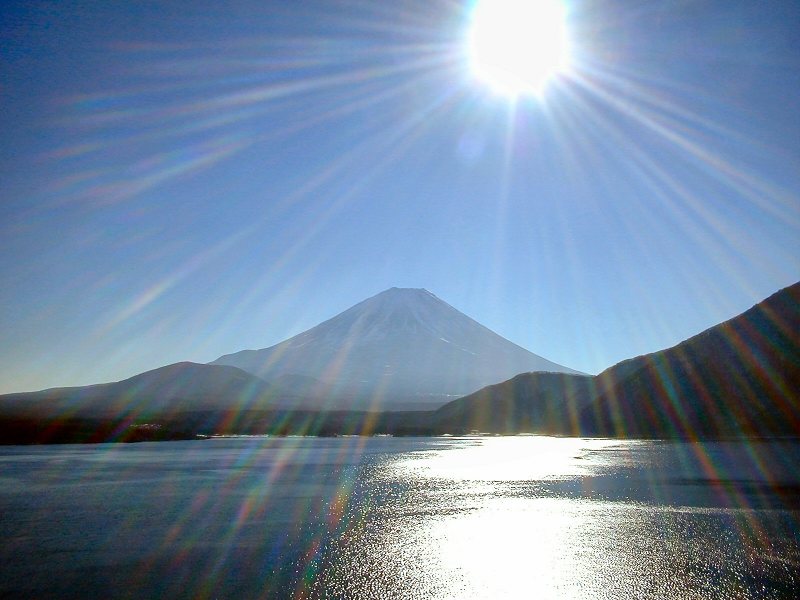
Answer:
(400, 347)
(529, 402)
(170, 389)
(741, 377)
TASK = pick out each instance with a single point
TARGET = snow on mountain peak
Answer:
(402, 342)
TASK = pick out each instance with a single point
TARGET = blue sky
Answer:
(184, 180)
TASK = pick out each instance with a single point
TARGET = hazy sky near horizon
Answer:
(182, 180)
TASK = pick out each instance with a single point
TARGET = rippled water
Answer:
(402, 518)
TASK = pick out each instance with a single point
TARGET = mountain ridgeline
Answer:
(739, 378)
(363, 371)
(403, 348)
(176, 388)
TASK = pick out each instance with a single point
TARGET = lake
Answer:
(411, 518)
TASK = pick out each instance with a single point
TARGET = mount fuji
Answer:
(403, 348)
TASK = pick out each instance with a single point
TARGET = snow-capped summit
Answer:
(400, 347)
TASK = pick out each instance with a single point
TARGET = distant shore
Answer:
(27, 430)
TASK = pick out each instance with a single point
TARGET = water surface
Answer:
(401, 518)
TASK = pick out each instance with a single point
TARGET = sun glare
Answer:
(517, 46)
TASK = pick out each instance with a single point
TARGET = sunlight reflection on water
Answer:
(519, 458)
(480, 521)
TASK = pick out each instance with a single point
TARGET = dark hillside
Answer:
(741, 377)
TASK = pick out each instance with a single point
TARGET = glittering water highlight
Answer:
(358, 517)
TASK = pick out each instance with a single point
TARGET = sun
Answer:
(517, 46)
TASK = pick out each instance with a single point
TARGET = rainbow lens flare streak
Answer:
(194, 107)
(415, 518)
